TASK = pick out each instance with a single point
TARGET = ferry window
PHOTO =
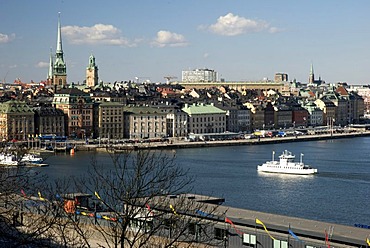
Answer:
(249, 240)
(280, 244)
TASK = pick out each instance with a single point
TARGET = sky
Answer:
(242, 40)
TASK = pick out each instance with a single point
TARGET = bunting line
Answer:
(261, 223)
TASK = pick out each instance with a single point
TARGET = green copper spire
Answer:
(59, 39)
(59, 64)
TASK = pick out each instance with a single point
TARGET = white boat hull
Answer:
(286, 165)
(310, 171)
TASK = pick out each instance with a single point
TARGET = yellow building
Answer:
(16, 121)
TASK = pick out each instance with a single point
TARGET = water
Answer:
(339, 193)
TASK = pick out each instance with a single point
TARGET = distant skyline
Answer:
(146, 39)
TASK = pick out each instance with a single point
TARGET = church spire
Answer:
(59, 66)
(59, 39)
(50, 72)
(311, 78)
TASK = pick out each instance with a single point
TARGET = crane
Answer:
(168, 78)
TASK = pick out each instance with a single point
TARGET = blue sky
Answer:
(150, 39)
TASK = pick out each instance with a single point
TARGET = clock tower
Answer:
(92, 73)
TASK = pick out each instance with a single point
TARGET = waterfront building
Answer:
(315, 114)
(199, 75)
(16, 120)
(283, 117)
(328, 109)
(341, 104)
(92, 77)
(299, 116)
(141, 122)
(269, 115)
(78, 107)
(257, 112)
(57, 75)
(176, 119)
(110, 120)
(49, 121)
(364, 92)
(355, 104)
(237, 118)
(205, 118)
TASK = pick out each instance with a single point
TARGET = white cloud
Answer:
(97, 34)
(166, 38)
(232, 25)
(42, 64)
(4, 38)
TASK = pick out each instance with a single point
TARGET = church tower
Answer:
(311, 78)
(92, 73)
(59, 66)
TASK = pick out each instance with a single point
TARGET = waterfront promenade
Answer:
(178, 144)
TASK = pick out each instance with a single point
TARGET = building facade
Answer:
(49, 121)
(199, 75)
(110, 120)
(16, 121)
(203, 118)
(144, 123)
(78, 107)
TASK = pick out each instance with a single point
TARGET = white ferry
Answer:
(286, 165)
(31, 158)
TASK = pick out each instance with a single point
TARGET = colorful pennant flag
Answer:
(293, 234)
(227, 220)
(327, 239)
(368, 241)
(261, 223)
(23, 193)
(41, 198)
(97, 195)
(173, 209)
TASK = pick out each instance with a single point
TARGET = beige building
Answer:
(49, 121)
(144, 123)
(16, 121)
(329, 110)
(204, 118)
(77, 105)
(110, 120)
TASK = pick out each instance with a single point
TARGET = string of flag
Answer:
(72, 209)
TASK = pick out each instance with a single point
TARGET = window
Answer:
(249, 240)
(219, 233)
(280, 244)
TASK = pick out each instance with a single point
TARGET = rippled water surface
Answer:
(340, 193)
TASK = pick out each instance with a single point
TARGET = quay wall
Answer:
(180, 144)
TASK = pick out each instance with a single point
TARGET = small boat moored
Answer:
(286, 165)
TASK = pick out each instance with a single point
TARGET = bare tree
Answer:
(145, 202)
